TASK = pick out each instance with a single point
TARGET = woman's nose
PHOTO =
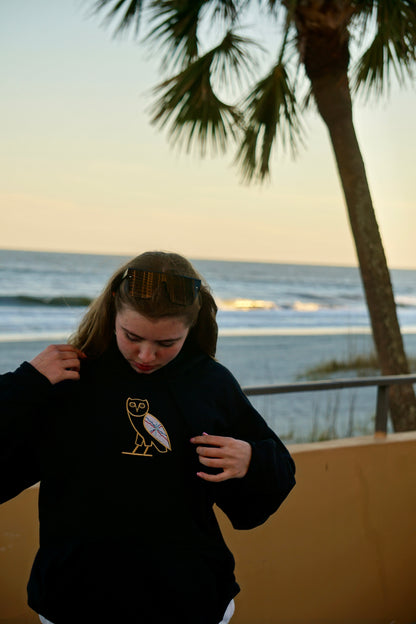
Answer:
(146, 352)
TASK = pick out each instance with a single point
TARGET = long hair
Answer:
(96, 330)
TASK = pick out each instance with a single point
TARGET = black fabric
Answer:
(127, 529)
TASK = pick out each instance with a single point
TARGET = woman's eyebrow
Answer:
(128, 331)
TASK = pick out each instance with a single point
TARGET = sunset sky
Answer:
(82, 169)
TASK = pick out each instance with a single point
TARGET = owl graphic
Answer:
(149, 430)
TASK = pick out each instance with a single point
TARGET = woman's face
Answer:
(149, 344)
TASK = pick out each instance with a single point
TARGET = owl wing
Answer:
(156, 430)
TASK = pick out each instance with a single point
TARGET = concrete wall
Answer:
(341, 550)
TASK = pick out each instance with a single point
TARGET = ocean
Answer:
(275, 321)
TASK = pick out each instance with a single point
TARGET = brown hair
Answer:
(96, 330)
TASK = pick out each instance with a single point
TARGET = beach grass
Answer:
(361, 365)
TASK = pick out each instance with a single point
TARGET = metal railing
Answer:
(382, 383)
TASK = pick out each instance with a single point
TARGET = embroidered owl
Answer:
(149, 430)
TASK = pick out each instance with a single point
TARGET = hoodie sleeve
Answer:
(211, 400)
(22, 395)
(249, 501)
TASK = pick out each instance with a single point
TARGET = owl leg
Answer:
(140, 446)
(139, 442)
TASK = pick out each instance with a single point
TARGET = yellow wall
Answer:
(341, 550)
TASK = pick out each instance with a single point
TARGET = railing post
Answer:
(382, 411)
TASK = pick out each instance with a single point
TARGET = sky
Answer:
(82, 169)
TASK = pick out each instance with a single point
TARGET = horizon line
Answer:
(199, 258)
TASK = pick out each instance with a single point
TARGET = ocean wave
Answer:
(246, 304)
(56, 301)
(306, 306)
(234, 304)
(404, 301)
(261, 304)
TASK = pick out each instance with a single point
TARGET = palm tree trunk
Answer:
(333, 98)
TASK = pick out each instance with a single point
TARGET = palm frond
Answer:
(392, 48)
(275, 5)
(271, 109)
(189, 106)
(227, 10)
(130, 17)
(176, 25)
(233, 60)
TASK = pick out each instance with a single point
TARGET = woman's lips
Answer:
(144, 368)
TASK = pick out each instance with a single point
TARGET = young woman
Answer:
(134, 431)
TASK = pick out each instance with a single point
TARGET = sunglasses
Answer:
(180, 289)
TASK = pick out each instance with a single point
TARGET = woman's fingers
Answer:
(59, 362)
(228, 454)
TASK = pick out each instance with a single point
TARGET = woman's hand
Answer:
(228, 454)
(59, 362)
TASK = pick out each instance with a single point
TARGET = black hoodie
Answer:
(127, 528)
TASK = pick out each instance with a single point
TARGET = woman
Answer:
(134, 432)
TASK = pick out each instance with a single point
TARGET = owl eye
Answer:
(142, 405)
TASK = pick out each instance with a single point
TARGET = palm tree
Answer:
(314, 41)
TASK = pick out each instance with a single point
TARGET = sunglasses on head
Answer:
(180, 289)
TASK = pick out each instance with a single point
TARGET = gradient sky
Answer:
(81, 168)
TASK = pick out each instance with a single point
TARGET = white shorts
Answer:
(227, 615)
(229, 612)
